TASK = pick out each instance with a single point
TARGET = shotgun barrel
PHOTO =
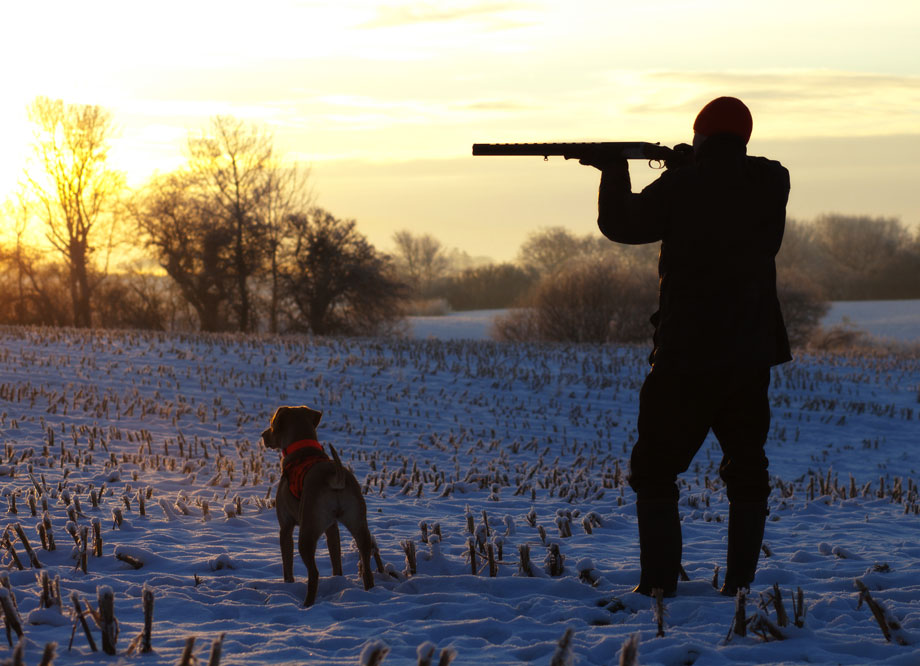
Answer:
(631, 150)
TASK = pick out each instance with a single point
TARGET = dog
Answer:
(328, 494)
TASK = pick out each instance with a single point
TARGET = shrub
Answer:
(518, 325)
(136, 301)
(803, 305)
(427, 307)
(487, 287)
(593, 302)
(599, 302)
(33, 290)
(837, 338)
(844, 338)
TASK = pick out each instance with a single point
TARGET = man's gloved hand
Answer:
(683, 155)
(604, 161)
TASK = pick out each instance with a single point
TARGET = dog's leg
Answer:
(365, 545)
(286, 539)
(306, 544)
(334, 544)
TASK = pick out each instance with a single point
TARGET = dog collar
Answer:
(302, 444)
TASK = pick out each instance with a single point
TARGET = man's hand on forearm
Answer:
(615, 179)
(604, 160)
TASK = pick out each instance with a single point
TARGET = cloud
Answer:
(411, 14)
(787, 86)
(495, 105)
(789, 102)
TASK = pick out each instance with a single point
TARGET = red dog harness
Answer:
(298, 458)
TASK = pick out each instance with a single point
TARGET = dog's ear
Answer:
(269, 434)
(316, 416)
(279, 414)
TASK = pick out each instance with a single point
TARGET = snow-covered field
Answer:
(894, 320)
(528, 443)
(889, 320)
(466, 325)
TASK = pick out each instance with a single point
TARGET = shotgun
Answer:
(631, 150)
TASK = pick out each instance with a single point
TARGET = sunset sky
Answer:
(384, 99)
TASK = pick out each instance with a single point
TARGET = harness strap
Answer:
(299, 457)
(300, 445)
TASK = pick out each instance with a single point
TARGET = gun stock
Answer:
(631, 150)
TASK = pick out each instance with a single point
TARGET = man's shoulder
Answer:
(763, 169)
(765, 164)
(765, 161)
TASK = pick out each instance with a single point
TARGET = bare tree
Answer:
(335, 279)
(861, 244)
(219, 225)
(191, 244)
(857, 257)
(16, 211)
(287, 192)
(550, 250)
(75, 191)
(421, 258)
(231, 166)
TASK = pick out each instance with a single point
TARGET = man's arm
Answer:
(625, 217)
(780, 179)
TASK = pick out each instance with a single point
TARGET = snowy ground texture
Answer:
(527, 443)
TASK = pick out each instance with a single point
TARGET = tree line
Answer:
(563, 286)
(839, 257)
(230, 241)
(234, 241)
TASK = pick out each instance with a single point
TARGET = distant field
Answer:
(897, 320)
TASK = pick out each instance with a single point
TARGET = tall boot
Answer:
(746, 522)
(659, 546)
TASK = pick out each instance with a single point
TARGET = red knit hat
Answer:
(724, 114)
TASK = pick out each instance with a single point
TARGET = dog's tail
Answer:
(338, 483)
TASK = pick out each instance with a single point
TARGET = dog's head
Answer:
(291, 424)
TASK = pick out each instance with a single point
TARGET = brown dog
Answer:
(329, 494)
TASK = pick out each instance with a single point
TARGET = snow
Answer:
(438, 430)
(466, 325)
(894, 320)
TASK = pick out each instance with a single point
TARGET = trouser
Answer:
(677, 411)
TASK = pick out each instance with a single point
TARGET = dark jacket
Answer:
(720, 221)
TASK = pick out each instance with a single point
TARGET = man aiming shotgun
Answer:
(719, 216)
